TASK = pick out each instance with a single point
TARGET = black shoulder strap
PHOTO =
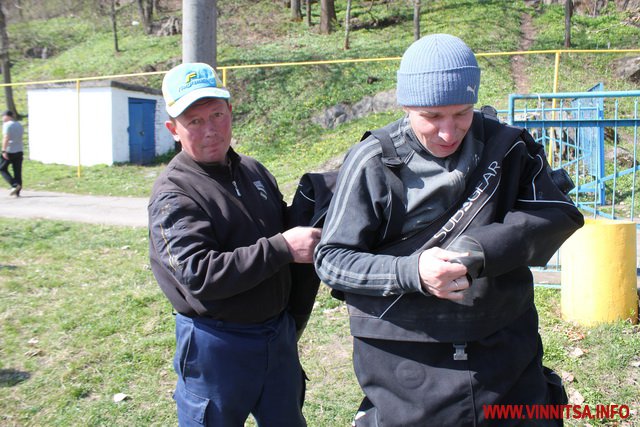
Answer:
(393, 163)
(482, 184)
(390, 156)
(486, 127)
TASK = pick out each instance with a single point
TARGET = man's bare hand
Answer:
(440, 277)
(302, 241)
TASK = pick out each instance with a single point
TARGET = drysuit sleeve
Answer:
(355, 223)
(539, 216)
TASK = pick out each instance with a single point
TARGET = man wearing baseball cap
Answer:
(220, 253)
(440, 297)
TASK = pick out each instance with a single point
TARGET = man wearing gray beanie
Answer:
(435, 274)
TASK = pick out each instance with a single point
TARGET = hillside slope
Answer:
(273, 106)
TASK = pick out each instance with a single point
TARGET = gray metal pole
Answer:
(199, 21)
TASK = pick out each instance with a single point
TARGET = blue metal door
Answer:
(141, 130)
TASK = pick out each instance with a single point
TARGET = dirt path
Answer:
(124, 211)
(519, 62)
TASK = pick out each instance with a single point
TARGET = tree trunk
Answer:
(568, 11)
(114, 25)
(6, 63)
(296, 10)
(598, 6)
(199, 22)
(308, 12)
(416, 19)
(327, 16)
(20, 8)
(347, 18)
(145, 8)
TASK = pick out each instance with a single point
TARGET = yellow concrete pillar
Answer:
(599, 273)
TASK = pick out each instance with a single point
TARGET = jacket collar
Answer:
(219, 170)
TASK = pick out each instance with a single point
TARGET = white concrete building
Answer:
(104, 122)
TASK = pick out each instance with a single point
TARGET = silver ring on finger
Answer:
(455, 282)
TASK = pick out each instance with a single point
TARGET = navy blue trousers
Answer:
(227, 371)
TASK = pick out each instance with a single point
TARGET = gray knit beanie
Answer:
(438, 70)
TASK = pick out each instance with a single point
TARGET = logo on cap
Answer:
(189, 82)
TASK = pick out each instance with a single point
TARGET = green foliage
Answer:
(117, 180)
(80, 59)
(83, 320)
(597, 362)
(57, 35)
(608, 30)
(579, 72)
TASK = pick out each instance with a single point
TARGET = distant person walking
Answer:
(12, 152)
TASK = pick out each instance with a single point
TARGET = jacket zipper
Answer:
(233, 181)
(236, 187)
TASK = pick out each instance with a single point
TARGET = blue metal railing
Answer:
(593, 135)
(595, 141)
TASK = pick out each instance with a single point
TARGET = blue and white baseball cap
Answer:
(186, 83)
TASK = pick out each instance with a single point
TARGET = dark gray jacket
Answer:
(215, 241)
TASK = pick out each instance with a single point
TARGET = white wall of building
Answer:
(102, 136)
(164, 139)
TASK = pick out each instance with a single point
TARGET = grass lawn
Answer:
(82, 320)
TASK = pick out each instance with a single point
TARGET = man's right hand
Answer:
(439, 276)
(301, 242)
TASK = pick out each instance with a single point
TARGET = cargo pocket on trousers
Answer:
(190, 405)
(557, 393)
